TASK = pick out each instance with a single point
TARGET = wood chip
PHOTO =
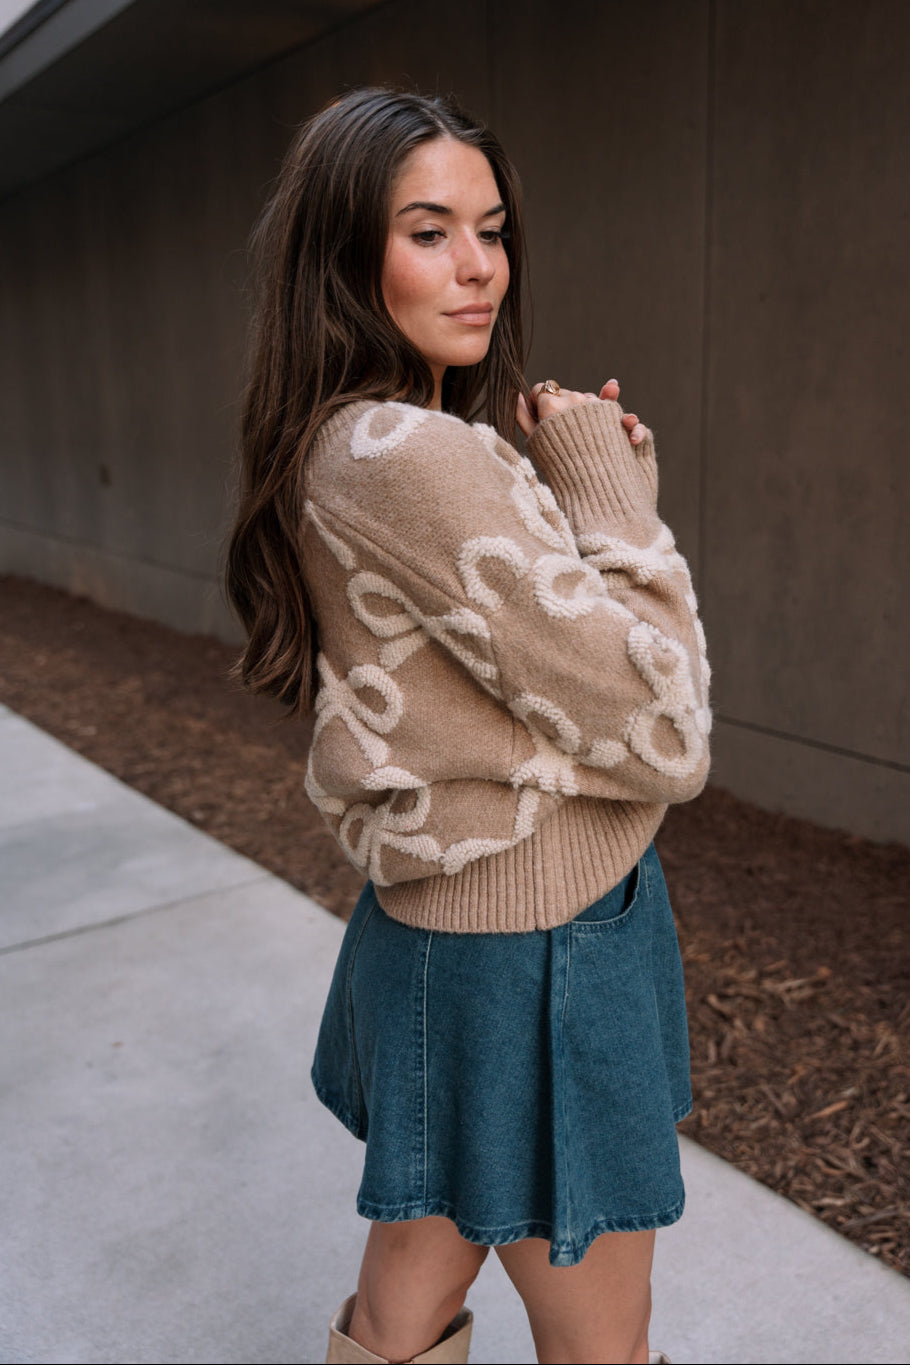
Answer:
(869, 1218)
(766, 1090)
(834, 1108)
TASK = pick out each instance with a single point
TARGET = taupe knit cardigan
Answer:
(512, 676)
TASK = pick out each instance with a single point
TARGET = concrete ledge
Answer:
(186, 601)
(832, 789)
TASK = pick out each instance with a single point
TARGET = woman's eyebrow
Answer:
(442, 209)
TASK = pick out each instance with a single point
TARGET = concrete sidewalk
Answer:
(171, 1189)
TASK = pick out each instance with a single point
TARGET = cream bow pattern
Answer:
(410, 628)
(337, 697)
(382, 827)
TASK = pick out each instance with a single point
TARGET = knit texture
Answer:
(512, 673)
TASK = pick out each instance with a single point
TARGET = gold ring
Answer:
(550, 386)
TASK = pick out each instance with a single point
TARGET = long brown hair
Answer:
(322, 337)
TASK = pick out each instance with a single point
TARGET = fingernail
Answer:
(612, 381)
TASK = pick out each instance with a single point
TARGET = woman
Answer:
(509, 683)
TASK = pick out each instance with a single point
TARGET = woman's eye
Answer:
(427, 237)
(493, 235)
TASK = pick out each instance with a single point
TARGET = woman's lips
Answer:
(474, 314)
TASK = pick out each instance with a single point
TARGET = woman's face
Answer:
(446, 271)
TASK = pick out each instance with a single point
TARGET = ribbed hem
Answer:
(615, 484)
(573, 859)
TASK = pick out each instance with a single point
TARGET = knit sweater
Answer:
(512, 675)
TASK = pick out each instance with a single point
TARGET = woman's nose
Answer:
(474, 261)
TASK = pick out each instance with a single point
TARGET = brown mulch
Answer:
(794, 937)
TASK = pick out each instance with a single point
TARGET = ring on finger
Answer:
(549, 386)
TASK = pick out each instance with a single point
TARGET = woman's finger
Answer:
(638, 433)
(550, 403)
(524, 416)
(630, 419)
(572, 397)
(610, 390)
(546, 404)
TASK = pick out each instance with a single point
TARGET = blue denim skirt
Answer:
(522, 1085)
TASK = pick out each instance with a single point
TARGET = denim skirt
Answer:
(521, 1085)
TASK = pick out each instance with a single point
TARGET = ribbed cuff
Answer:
(597, 476)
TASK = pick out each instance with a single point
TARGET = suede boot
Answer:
(450, 1349)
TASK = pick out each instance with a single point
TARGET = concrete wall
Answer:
(718, 196)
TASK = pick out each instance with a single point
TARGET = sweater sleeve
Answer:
(564, 597)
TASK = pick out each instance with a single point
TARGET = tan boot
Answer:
(658, 1358)
(450, 1349)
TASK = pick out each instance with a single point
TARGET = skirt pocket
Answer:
(613, 907)
(624, 987)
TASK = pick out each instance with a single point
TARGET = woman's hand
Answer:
(546, 404)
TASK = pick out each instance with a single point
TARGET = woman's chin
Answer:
(460, 357)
